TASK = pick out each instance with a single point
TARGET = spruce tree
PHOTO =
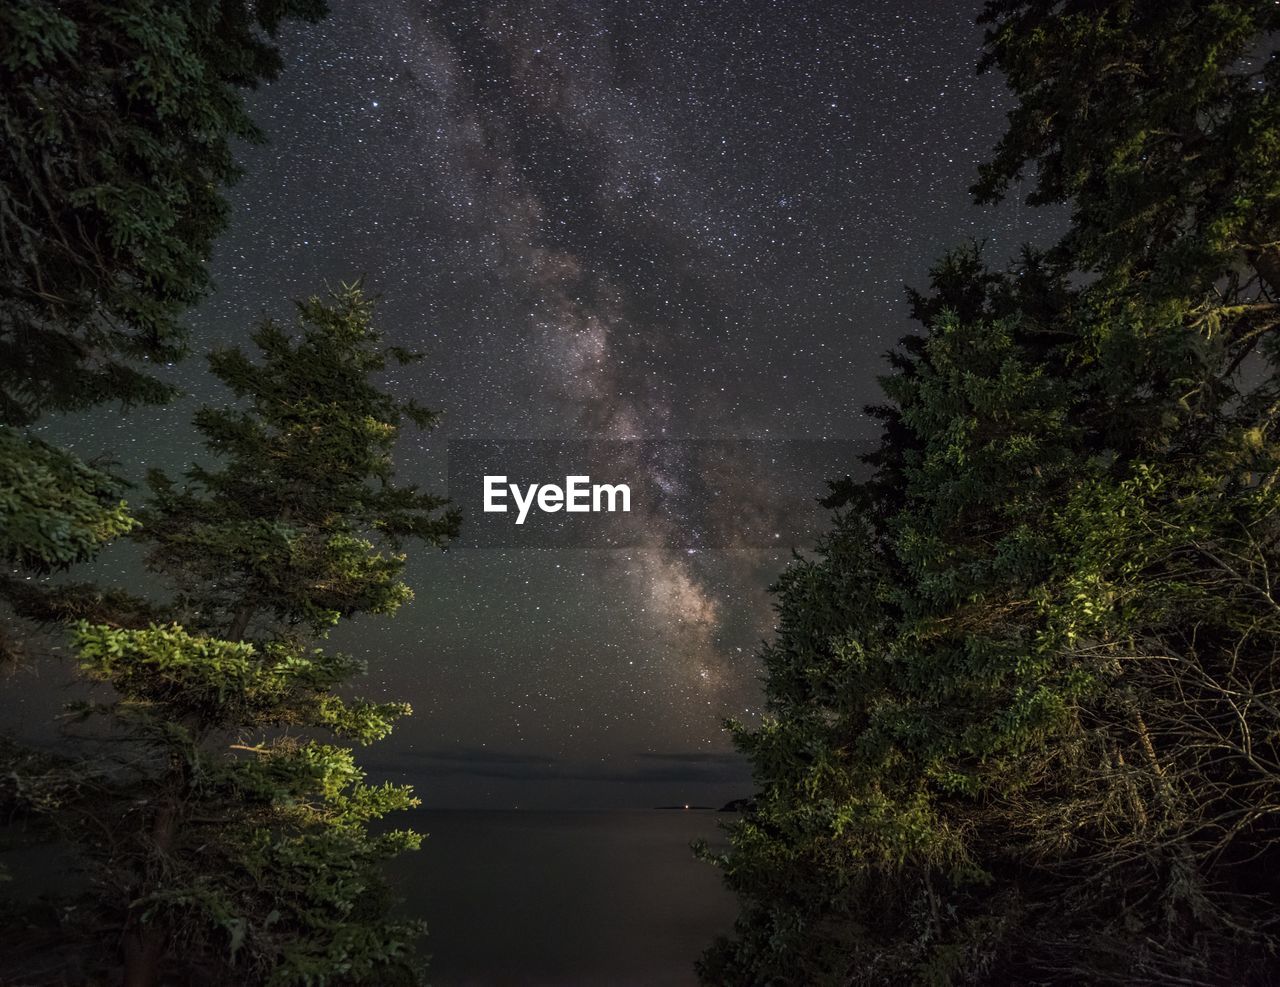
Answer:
(240, 842)
(1157, 120)
(904, 679)
(279, 535)
(1022, 706)
(118, 119)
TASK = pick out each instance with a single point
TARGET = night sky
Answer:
(612, 220)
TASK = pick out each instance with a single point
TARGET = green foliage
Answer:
(204, 681)
(268, 872)
(54, 510)
(1158, 121)
(241, 842)
(907, 676)
(117, 120)
(1022, 705)
(289, 521)
(1022, 720)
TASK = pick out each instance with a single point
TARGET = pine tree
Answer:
(1022, 706)
(118, 119)
(903, 682)
(240, 842)
(1158, 121)
(279, 535)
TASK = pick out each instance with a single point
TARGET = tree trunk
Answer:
(1266, 261)
(145, 942)
(240, 623)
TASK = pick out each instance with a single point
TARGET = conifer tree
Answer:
(240, 843)
(118, 118)
(899, 686)
(278, 536)
(117, 121)
(1022, 706)
(1157, 120)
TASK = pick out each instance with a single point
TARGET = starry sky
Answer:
(641, 220)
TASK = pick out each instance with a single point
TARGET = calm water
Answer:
(564, 898)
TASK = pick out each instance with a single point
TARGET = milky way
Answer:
(619, 221)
